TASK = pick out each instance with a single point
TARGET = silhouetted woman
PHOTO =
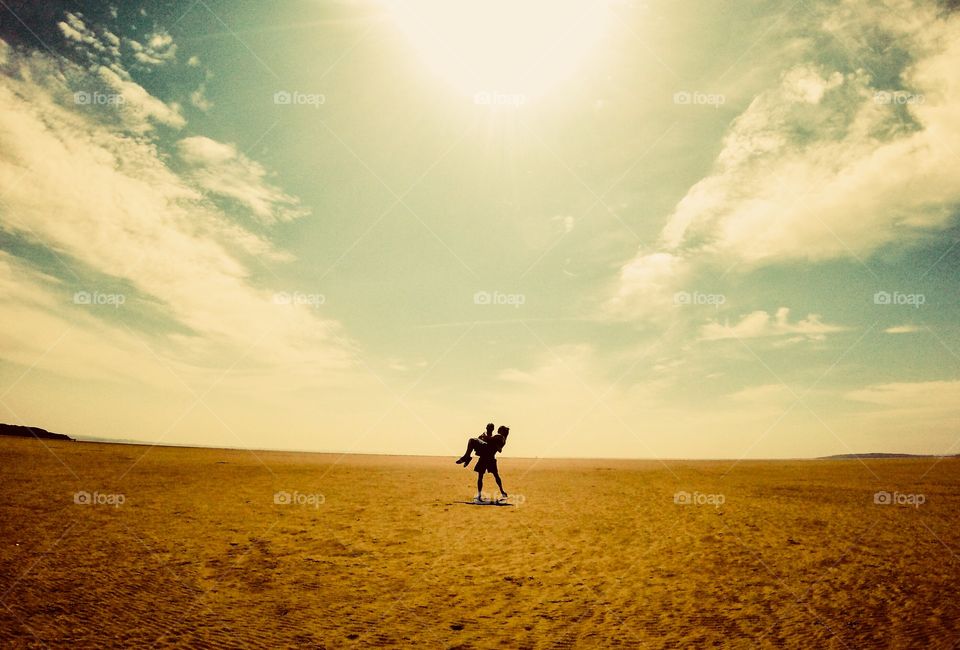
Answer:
(486, 447)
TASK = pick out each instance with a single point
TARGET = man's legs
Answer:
(496, 476)
(479, 486)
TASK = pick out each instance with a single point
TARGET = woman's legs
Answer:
(473, 445)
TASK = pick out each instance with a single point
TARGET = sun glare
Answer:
(513, 47)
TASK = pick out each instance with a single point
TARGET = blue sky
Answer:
(625, 229)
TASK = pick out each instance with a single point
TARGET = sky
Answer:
(623, 229)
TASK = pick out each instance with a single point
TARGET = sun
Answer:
(511, 47)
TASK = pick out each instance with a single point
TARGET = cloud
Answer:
(107, 205)
(647, 284)
(902, 329)
(822, 179)
(43, 329)
(764, 394)
(222, 170)
(901, 410)
(140, 107)
(111, 91)
(564, 360)
(158, 50)
(829, 163)
(911, 395)
(199, 98)
(806, 83)
(95, 46)
(760, 324)
(74, 29)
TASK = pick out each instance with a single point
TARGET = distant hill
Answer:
(31, 432)
(881, 455)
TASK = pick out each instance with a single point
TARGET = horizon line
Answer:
(845, 456)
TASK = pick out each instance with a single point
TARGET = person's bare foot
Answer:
(463, 459)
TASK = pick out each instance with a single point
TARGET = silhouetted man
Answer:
(487, 447)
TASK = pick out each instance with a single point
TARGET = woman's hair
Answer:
(504, 430)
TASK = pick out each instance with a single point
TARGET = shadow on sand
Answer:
(486, 503)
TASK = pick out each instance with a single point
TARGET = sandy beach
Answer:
(220, 548)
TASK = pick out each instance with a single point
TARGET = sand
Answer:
(187, 547)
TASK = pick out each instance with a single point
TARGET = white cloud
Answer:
(647, 284)
(71, 32)
(99, 48)
(106, 202)
(139, 104)
(43, 329)
(111, 38)
(199, 98)
(760, 324)
(222, 170)
(902, 329)
(158, 50)
(95, 46)
(817, 168)
(808, 84)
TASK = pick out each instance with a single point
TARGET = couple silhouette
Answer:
(486, 446)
